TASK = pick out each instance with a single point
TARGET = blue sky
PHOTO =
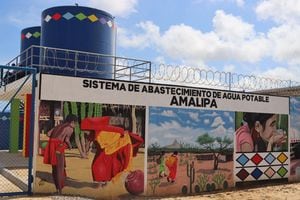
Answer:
(257, 37)
(185, 125)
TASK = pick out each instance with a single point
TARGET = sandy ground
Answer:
(202, 167)
(277, 192)
(79, 178)
(82, 184)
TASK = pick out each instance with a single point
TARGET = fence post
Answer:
(230, 79)
(14, 126)
(76, 62)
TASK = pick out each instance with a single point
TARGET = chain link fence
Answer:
(16, 125)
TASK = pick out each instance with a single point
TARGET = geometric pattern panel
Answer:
(29, 35)
(261, 166)
(4, 118)
(282, 171)
(270, 158)
(270, 172)
(282, 158)
(242, 159)
(242, 174)
(261, 159)
(256, 159)
(261, 173)
(78, 16)
(256, 173)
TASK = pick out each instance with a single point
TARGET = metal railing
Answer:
(87, 64)
(79, 63)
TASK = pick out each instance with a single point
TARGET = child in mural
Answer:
(258, 133)
(114, 148)
(161, 162)
(171, 163)
(59, 140)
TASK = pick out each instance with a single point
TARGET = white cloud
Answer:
(31, 16)
(159, 59)
(171, 125)
(194, 116)
(168, 113)
(232, 40)
(188, 44)
(206, 121)
(285, 43)
(221, 131)
(232, 28)
(229, 68)
(218, 121)
(282, 73)
(153, 140)
(149, 35)
(239, 3)
(227, 114)
(213, 114)
(120, 8)
(168, 131)
(280, 11)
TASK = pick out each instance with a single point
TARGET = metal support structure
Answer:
(16, 182)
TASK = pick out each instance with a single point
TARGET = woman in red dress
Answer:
(171, 163)
(115, 148)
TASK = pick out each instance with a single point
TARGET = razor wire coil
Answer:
(217, 79)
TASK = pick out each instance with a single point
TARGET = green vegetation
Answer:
(215, 145)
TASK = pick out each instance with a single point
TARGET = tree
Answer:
(214, 144)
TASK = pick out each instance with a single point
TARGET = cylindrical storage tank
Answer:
(79, 29)
(30, 36)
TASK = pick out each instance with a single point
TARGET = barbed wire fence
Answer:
(78, 63)
(197, 77)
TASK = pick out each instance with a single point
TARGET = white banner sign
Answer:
(62, 88)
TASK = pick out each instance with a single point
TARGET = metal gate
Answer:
(17, 95)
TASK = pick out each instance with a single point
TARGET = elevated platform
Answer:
(78, 63)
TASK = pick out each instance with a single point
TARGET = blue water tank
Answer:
(81, 29)
(30, 36)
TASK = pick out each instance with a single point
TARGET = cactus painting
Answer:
(204, 141)
(190, 172)
(219, 179)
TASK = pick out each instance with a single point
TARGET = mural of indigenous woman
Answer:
(171, 163)
(115, 148)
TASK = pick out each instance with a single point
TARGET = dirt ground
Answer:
(277, 192)
(79, 178)
(201, 167)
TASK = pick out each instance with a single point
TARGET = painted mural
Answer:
(295, 139)
(134, 139)
(91, 149)
(189, 151)
(261, 147)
